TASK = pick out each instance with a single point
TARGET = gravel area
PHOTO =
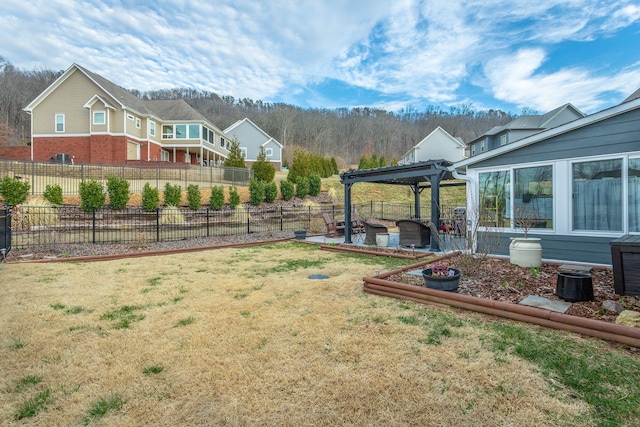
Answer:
(91, 250)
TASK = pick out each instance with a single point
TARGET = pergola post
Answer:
(347, 213)
(435, 209)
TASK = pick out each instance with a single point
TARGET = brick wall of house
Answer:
(15, 153)
(44, 148)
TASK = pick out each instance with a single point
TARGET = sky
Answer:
(513, 55)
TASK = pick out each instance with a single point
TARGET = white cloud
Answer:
(423, 50)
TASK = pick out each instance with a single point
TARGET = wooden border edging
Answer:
(595, 328)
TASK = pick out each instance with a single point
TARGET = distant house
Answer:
(252, 139)
(86, 118)
(437, 145)
(522, 127)
(581, 181)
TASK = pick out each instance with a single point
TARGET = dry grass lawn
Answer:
(242, 336)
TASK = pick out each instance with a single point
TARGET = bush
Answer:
(270, 192)
(172, 194)
(262, 169)
(118, 189)
(302, 188)
(256, 192)
(287, 190)
(194, 198)
(53, 194)
(216, 201)
(92, 195)
(234, 198)
(315, 185)
(14, 191)
(150, 198)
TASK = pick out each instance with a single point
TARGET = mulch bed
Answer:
(499, 280)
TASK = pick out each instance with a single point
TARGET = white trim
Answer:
(104, 117)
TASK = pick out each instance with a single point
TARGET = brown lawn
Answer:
(242, 336)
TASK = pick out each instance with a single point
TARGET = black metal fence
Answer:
(29, 228)
(69, 176)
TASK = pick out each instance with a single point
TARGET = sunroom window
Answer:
(181, 131)
(597, 195)
(495, 188)
(533, 196)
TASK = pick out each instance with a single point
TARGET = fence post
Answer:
(281, 219)
(248, 220)
(157, 224)
(33, 177)
(207, 222)
(94, 224)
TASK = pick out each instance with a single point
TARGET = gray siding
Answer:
(618, 134)
(567, 248)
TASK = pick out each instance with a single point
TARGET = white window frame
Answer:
(268, 152)
(152, 128)
(96, 114)
(243, 152)
(59, 122)
(138, 123)
(130, 117)
(503, 140)
(164, 155)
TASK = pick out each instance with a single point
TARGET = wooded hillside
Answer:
(344, 133)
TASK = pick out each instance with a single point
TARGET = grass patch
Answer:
(100, 408)
(154, 281)
(37, 403)
(152, 370)
(613, 394)
(295, 264)
(17, 344)
(184, 322)
(124, 316)
(57, 306)
(26, 382)
(77, 310)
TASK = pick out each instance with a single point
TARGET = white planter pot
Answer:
(525, 252)
(382, 239)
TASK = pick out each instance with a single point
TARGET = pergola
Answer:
(418, 176)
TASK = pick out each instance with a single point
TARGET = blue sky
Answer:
(507, 55)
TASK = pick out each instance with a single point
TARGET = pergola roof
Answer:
(414, 174)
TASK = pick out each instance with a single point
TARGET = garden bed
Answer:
(495, 286)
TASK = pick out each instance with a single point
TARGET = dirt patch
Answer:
(499, 280)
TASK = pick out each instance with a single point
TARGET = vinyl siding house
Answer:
(95, 121)
(439, 144)
(523, 127)
(251, 139)
(581, 180)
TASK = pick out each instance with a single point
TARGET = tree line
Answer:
(345, 134)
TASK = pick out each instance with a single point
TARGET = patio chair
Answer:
(371, 230)
(333, 229)
(414, 232)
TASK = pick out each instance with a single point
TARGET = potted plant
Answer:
(441, 277)
(525, 251)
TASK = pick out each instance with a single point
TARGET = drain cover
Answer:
(318, 277)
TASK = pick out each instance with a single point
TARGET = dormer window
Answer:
(268, 152)
(99, 118)
(503, 140)
(483, 146)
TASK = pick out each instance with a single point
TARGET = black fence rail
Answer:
(36, 228)
(40, 227)
(69, 176)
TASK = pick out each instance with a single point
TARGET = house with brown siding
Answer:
(85, 118)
